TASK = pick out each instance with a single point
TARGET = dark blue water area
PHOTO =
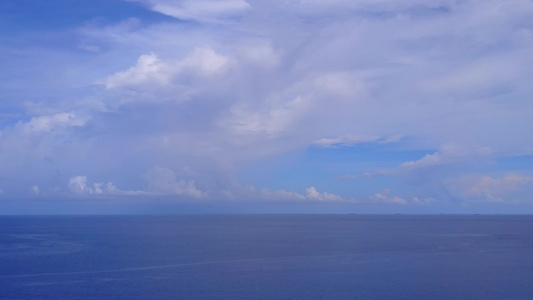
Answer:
(266, 257)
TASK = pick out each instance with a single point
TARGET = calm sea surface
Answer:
(266, 257)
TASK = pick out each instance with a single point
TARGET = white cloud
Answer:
(200, 10)
(270, 122)
(491, 188)
(35, 189)
(312, 193)
(267, 78)
(205, 61)
(383, 197)
(163, 181)
(345, 141)
(249, 192)
(423, 201)
(351, 140)
(149, 68)
(48, 123)
(152, 70)
(78, 185)
(258, 53)
(448, 154)
(477, 75)
(160, 182)
(426, 161)
(347, 85)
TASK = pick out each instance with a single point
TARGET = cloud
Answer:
(160, 182)
(259, 53)
(351, 140)
(499, 189)
(225, 86)
(343, 85)
(312, 193)
(78, 185)
(149, 68)
(152, 70)
(35, 189)
(163, 181)
(199, 10)
(237, 192)
(48, 123)
(383, 197)
(448, 154)
(271, 122)
(250, 193)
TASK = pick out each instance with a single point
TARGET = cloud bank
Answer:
(213, 100)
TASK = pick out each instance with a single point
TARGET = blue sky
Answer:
(156, 106)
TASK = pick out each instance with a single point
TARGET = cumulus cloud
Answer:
(312, 193)
(149, 68)
(160, 182)
(383, 197)
(78, 185)
(163, 181)
(238, 192)
(249, 192)
(152, 70)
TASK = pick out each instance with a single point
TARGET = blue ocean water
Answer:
(266, 257)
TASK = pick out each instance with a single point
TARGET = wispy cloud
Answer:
(200, 10)
(347, 141)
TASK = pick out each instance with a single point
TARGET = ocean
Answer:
(266, 257)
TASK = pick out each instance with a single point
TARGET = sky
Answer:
(259, 106)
